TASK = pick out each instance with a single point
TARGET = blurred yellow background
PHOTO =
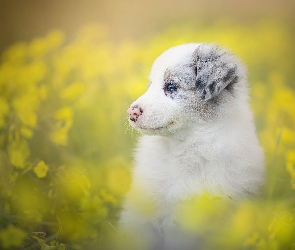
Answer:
(68, 72)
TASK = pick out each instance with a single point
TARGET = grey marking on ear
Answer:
(216, 69)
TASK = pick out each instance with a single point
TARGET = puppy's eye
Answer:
(170, 87)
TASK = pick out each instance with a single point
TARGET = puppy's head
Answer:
(189, 84)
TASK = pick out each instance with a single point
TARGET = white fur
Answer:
(184, 154)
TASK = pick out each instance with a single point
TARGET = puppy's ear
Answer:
(215, 69)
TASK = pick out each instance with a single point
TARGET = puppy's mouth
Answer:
(154, 128)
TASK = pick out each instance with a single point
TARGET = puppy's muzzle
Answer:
(134, 112)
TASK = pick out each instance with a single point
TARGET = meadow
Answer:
(66, 147)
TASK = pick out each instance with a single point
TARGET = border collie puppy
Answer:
(198, 137)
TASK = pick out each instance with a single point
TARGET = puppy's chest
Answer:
(176, 173)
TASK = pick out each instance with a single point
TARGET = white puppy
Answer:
(199, 137)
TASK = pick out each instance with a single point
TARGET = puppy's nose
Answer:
(134, 112)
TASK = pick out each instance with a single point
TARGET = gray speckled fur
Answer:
(200, 82)
(215, 69)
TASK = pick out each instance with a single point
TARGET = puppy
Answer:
(198, 137)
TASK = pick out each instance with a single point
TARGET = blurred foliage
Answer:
(65, 145)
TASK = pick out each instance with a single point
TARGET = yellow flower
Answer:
(26, 132)
(12, 237)
(64, 114)
(18, 152)
(55, 38)
(72, 91)
(41, 169)
(16, 54)
(25, 107)
(290, 166)
(4, 108)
